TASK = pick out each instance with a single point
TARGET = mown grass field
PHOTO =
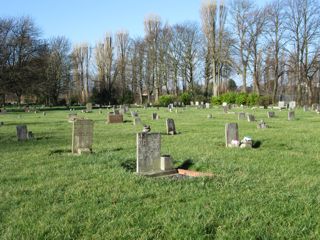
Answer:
(271, 192)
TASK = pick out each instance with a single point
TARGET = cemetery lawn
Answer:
(270, 192)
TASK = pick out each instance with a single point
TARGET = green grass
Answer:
(272, 192)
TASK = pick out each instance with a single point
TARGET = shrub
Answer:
(200, 98)
(186, 98)
(216, 100)
(165, 100)
(241, 98)
(265, 100)
(229, 97)
(252, 99)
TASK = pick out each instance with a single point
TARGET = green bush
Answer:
(200, 98)
(229, 97)
(253, 99)
(186, 98)
(265, 100)
(216, 100)
(165, 100)
(241, 98)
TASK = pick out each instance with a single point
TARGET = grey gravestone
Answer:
(209, 116)
(231, 133)
(134, 114)
(82, 136)
(166, 163)
(148, 152)
(241, 115)
(197, 103)
(171, 128)
(292, 105)
(22, 132)
(89, 107)
(72, 117)
(154, 116)
(44, 114)
(305, 108)
(262, 124)
(225, 109)
(137, 121)
(191, 103)
(281, 105)
(291, 115)
(251, 118)
(271, 114)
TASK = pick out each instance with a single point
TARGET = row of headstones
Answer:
(251, 117)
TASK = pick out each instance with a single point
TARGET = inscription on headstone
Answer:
(82, 136)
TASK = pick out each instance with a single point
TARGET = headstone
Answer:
(224, 104)
(246, 142)
(44, 114)
(22, 132)
(225, 109)
(305, 108)
(191, 103)
(262, 124)
(271, 114)
(197, 103)
(291, 115)
(292, 105)
(148, 152)
(30, 135)
(82, 136)
(314, 106)
(170, 106)
(209, 116)
(166, 163)
(251, 118)
(154, 116)
(232, 135)
(134, 114)
(116, 112)
(89, 107)
(146, 129)
(137, 121)
(241, 116)
(115, 118)
(72, 117)
(3, 111)
(208, 106)
(281, 105)
(171, 128)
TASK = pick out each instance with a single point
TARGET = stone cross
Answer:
(148, 152)
(82, 136)
(22, 132)
(251, 118)
(271, 114)
(171, 128)
(241, 115)
(231, 134)
(291, 115)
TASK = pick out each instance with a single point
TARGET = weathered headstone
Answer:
(154, 116)
(225, 109)
(208, 105)
(115, 118)
(171, 128)
(281, 105)
(314, 106)
(271, 114)
(209, 116)
(148, 152)
(89, 107)
(232, 135)
(137, 121)
(22, 132)
(224, 104)
(262, 124)
(191, 103)
(291, 115)
(72, 117)
(305, 108)
(134, 114)
(166, 163)
(251, 118)
(241, 115)
(82, 136)
(197, 103)
(292, 104)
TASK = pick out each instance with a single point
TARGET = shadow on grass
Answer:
(186, 164)
(256, 144)
(59, 151)
(127, 121)
(129, 165)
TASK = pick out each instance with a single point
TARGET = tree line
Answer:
(271, 50)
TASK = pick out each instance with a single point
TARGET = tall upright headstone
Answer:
(241, 115)
(22, 132)
(231, 134)
(148, 152)
(291, 115)
(171, 128)
(82, 136)
(251, 118)
(154, 116)
(292, 104)
(89, 107)
(137, 121)
(271, 114)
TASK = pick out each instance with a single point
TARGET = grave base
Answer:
(177, 173)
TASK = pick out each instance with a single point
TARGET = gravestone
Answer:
(137, 121)
(115, 118)
(281, 105)
(314, 106)
(148, 152)
(241, 116)
(72, 117)
(154, 116)
(305, 108)
(251, 118)
(166, 163)
(291, 115)
(191, 103)
(171, 128)
(89, 107)
(134, 114)
(44, 114)
(197, 103)
(292, 104)
(225, 109)
(3, 111)
(82, 136)
(262, 124)
(209, 116)
(208, 105)
(271, 114)
(232, 135)
(22, 132)
(224, 104)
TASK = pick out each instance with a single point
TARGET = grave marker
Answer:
(22, 132)
(137, 121)
(155, 116)
(82, 136)
(89, 107)
(232, 135)
(115, 118)
(291, 115)
(251, 118)
(271, 114)
(241, 115)
(171, 128)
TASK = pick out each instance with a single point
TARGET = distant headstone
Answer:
(292, 105)
(134, 114)
(208, 105)
(241, 116)
(262, 124)
(89, 107)
(197, 103)
(251, 118)
(281, 105)
(148, 152)
(209, 116)
(115, 118)
(191, 103)
(314, 106)
(170, 106)
(166, 163)
(137, 121)
(44, 114)
(305, 108)
(271, 114)
(225, 109)
(22, 132)
(72, 117)
(291, 115)
(154, 116)
(82, 136)
(232, 135)
(171, 128)
(3, 111)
